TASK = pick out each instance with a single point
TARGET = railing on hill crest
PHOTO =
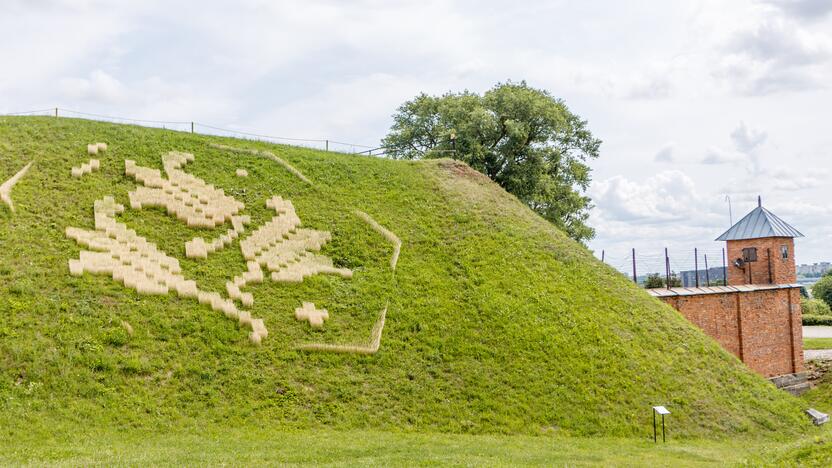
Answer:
(205, 129)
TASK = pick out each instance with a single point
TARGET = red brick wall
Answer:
(782, 270)
(757, 326)
(715, 314)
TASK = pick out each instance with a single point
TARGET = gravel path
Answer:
(817, 332)
(817, 354)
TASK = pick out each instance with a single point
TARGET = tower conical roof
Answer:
(759, 223)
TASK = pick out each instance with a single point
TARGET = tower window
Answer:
(784, 251)
(749, 254)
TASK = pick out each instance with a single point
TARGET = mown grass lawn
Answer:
(254, 446)
(817, 343)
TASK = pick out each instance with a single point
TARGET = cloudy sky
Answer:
(695, 101)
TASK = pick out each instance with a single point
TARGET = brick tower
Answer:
(758, 316)
(760, 249)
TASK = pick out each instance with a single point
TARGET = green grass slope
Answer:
(816, 448)
(497, 323)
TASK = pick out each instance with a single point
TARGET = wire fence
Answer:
(686, 268)
(206, 129)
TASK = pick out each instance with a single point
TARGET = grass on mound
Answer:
(497, 322)
(814, 449)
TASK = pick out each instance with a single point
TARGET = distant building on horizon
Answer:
(814, 270)
(716, 276)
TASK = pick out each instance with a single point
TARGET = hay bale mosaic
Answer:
(119, 252)
(267, 155)
(184, 196)
(387, 234)
(311, 314)
(95, 148)
(86, 168)
(280, 249)
(284, 249)
(371, 347)
(6, 188)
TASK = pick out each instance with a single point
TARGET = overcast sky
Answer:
(693, 100)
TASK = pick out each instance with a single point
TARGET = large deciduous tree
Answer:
(823, 289)
(521, 137)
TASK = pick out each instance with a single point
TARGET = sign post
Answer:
(662, 411)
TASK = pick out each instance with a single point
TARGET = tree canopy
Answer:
(815, 307)
(521, 137)
(823, 290)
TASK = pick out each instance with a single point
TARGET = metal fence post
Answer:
(707, 272)
(635, 278)
(192, 127)
(327, 145)
(56, 112)
(654, 427)
(724, 269)
(696, 264)
(667, 267)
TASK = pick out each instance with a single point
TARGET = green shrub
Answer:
(116, 337)
(655, 280)
(815, 307)
(823, 290)
(817, 320)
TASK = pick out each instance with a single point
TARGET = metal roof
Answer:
(664, 292)
(759, 223)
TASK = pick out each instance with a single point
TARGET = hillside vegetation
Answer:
(496, 322)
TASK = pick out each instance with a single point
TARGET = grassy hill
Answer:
(496, 322)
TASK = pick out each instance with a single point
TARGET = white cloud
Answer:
(663, 210)
(665, 154)
(747, 139)
(657, 199)
(786, 181)
(781, 182)
(716, 156)
(100, 87)
(648, 87)
(342, 110)
(775, 55)
(642, 74)
(781, 42)
(804, 9)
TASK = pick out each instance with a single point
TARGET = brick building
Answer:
(761, 249)
(757, 315)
